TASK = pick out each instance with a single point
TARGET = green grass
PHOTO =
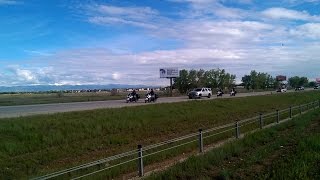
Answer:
(35, 145)
(47, 98)
(287, 151)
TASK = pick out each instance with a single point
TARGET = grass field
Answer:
(287, 151)
(47, 98)
(40, 144)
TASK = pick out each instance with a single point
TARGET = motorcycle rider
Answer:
(152, 92)
(233, 92)
(219, 92)
(134, 94)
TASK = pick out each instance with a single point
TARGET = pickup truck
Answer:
(200, 92)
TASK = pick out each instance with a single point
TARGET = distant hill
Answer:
(38, 88)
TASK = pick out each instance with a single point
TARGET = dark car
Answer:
(316, 87)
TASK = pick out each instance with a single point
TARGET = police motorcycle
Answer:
(151, 98)
(233, 92)
(219, 93)
(132, 97)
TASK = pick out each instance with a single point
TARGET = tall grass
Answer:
(44, 143)
(250, 157)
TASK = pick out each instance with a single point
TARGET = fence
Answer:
(192, 140)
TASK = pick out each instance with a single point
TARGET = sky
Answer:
(89, 42)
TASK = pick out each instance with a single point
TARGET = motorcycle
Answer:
(132, 98)
(151, 98)
(233, 93)
(219, 93)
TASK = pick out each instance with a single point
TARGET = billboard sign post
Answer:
(169, 73)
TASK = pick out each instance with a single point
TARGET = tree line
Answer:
(214, 78)
(219, 78)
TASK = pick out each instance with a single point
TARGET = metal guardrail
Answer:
(201, 135)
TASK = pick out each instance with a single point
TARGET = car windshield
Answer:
(199, 89)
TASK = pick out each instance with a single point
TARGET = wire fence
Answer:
(220, 133)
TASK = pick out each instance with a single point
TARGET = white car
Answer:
(282, 90)
(299, 88)
(200, 92)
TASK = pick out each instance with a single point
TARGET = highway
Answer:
(26, 110)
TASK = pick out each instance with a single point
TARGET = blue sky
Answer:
(74, 42)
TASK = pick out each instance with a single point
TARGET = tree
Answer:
(247, 81)
(294, 81)
(258, 80)
(200, 78)
(182, 82)
(303, 81)
(192, 78)
(254, 79)
(298, 81)
(312, 84)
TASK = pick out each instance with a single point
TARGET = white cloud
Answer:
(220, 34)
(116, 76)
(26, 75)
(133, 12)
(36, 52)
(283, 13)
(98, 66)
(203, 8)
(297, 2)
(309, 30)
(114, 20)
(113, 15)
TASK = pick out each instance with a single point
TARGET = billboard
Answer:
(281, 78)
(318, 80)
(169, 72)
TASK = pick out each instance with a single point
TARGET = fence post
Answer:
(140, 159)
(300, 109)
(261, 121)
(290, 112)
(200, 141)
(278, 116)
(237, 130)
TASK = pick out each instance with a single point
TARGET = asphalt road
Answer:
(26, 110)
